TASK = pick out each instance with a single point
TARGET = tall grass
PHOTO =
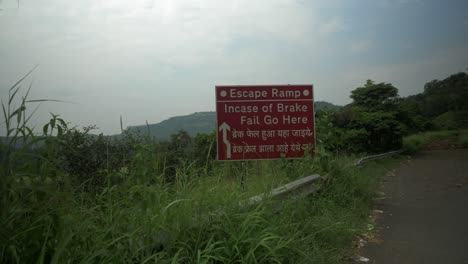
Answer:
(196, 219)
(416, 142)
(463, 138)
(183, 224)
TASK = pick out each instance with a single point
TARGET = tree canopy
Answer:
(374, 96)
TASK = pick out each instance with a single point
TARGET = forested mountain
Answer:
(199, 122)
(322, 105)
(442, 105)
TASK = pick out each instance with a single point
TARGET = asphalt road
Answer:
(425, 212)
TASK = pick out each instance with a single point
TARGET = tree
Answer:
(370, 122)
(372, 96)
(450, 94)
(442, 105)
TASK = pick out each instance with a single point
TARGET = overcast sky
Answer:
(154, 59)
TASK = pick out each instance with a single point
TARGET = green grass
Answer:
(46, 218)
(416, 142)
(463, 139)
(182, 223)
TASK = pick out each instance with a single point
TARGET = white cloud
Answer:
(131, 52)
(361, 46)
(399, 2)
(333, 25)
(152, 59)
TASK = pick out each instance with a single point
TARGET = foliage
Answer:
(442, 105)
(463, 139)
(17, 133)
(369, 124)
(417, 142)
(410, 116)
(204, 150)
(79, 197)
(378, 119)
(446, 121)
(383, 128)
(378, 97)
(336, 138)
(70, 196)
(140, 222)
(448, 94)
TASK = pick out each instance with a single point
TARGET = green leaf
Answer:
(61, 248)
(18, 120)
(13, 95)
(24, 77)
(46, 100)
(59, 131)
(45, 129)
(52, 122)
(30, 132)
(10, 131)
(7, 121)
(41, 258)
(27, 92)
(121, 124)
(62, 122)
(21, 108)
(23, 134)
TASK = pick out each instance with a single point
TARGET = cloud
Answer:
(399, 2)
(408, 1)
(153, 59)
(142, 53)
(361, 46)
(333, 25)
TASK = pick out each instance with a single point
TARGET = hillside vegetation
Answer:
(378, 118)
(442, 105)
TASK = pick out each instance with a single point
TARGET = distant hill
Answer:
(199, 122)
(322, 105)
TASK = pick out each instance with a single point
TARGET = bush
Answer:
(463, 139)
(446, 121)
(416, 142)
(413, 143)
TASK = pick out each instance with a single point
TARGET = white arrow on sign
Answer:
(225, 128)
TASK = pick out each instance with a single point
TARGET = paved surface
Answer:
(425, 212)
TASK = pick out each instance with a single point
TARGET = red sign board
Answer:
(265, 122)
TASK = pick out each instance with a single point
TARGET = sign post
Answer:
(265, 122)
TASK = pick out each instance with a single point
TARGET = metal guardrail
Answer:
(306, 186)
(378, 156)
